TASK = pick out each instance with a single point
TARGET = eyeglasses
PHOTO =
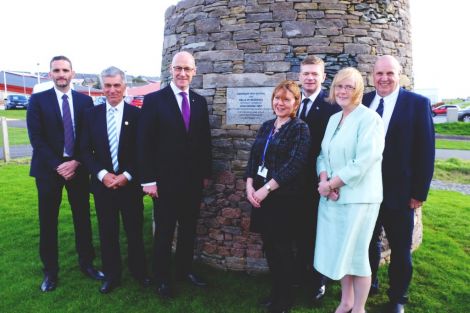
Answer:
(179, 69)
(345, 87)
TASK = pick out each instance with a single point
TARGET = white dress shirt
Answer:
(179, 98)
(389, 106)
(312, 98)
(118, 118)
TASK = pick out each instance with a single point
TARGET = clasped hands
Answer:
(256, 196)
(67, 169)
(325, 190)
(113, 181)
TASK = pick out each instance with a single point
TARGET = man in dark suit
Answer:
(54, 119)
(407, 169)
(316, 112)
(109, 152)
(175, 163)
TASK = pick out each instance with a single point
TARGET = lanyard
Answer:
(266, 146)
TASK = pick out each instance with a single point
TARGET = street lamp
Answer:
(125, 81)
(39, 79)
(5, 84)
(24, 85)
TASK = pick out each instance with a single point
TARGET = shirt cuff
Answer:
(101, 174)
(128, 176)
(149, 184)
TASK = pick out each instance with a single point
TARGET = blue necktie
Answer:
(380, 108)
(112, 137)
(69, 137)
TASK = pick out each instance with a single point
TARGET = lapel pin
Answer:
(126, 123)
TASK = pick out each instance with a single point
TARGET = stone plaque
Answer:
(249, 105)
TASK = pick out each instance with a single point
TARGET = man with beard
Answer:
(54, 119)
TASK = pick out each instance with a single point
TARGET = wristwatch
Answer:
(268, 187)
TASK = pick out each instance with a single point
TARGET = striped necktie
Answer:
(112, 137)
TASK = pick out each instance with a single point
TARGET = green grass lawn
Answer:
(440, 282)
(452, 144)
(16, 136)
(456, 128)
(452, 170)
(16, 114)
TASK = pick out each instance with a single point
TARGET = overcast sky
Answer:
(129, 35)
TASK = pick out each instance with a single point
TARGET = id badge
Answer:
(262, 171)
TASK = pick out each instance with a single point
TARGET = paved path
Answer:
(441, 185)
(16, 123)
(18, 151)
(447, 154)
(26, 151)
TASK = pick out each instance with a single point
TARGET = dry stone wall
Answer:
(258, 43)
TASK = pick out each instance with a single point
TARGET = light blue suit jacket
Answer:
(355, 155)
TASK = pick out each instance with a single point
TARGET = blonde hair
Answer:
(356, 77)
(292, 87)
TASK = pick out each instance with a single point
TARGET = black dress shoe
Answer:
(108, 286)
(193, 279)
(92, 273)
(48, 284)
(319, 294)
(164, 291)
(396, 307)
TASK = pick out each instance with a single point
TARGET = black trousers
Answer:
(280, 258)
(398, 225)
(304, 242)
(128, 202)
(171, 208)
(49, 199)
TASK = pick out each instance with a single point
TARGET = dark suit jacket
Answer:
(94, 146)
(46, 130)
(317, 119)
(168, 154)
(408, 158)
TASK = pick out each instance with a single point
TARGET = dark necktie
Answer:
(185, 110)
(303, 114)
(68, 126)
(380, 108)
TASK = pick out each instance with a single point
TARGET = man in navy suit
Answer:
(175, 164)
(109, 152)
(54, 119)
(316, 112)
(407, 169)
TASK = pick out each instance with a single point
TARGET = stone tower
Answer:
(249, 44)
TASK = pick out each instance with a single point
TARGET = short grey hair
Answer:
(111, 72)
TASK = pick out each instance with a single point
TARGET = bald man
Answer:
(175, 164)
(407, 169)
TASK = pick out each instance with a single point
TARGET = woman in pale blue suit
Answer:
(349, 167)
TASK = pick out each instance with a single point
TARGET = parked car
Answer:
(100, 100)
(138, 101)
(442, 109)
(464, 115)
(16, 102)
